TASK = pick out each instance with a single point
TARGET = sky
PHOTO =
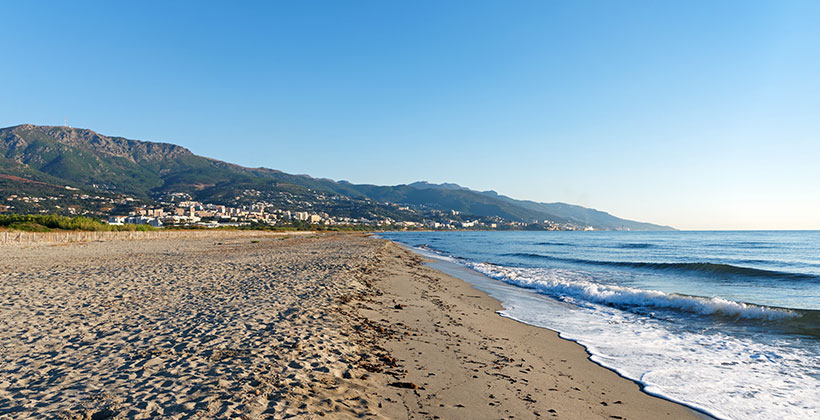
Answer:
(696, 114)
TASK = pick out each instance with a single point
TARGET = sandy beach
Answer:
(333, 326)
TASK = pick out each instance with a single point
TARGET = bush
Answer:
(29, 227)
(48, 222)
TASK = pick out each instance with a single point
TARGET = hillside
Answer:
(34, 158)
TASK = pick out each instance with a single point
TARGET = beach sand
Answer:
(326, 326)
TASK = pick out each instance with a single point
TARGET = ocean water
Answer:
(724, 322)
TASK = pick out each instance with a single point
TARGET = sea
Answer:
(727, 323)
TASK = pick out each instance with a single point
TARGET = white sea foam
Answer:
(725, 357)
(726, 376)
(566, 285)
(428, 252)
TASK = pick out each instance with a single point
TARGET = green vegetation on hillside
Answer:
(115, 166)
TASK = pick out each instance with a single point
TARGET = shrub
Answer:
(48, 222)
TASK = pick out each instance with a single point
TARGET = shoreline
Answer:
(568, 384)
(310, 326)
(439, 264)
(700, 413)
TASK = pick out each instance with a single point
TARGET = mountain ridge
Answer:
(86, 159)
(555, 208)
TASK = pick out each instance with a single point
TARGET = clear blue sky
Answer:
(694, 114)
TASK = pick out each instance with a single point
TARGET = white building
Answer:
(142, 220)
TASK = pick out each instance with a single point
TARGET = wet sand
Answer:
(328, 326)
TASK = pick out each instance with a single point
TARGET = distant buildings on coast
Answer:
(180, 209)
(194, 213)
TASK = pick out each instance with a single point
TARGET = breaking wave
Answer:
(696, 267)
(552, 283)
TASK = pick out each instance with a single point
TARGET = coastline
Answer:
(512, 368)
(339, 325)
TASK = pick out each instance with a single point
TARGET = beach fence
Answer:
(13, 238)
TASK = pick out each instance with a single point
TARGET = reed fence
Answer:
(11, 238)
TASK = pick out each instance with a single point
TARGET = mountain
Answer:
(33, 156)
(84, 158)
(568, 213)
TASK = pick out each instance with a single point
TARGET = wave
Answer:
(636, 246)
(696, 267)
(431, 252)
(741, 244)
(553, 283)
(624, 245)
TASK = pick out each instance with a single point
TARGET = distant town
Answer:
(179, 209)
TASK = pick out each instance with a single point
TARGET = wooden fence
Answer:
(11, 238)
